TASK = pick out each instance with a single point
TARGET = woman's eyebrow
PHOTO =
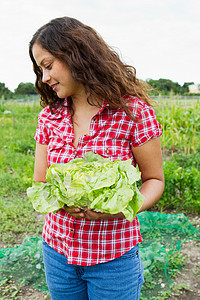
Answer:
(42, 62)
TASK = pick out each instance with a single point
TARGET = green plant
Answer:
(94, 182)
(9, 288)
(2, 106)
(182, 184)
(177, 289)
(180, 121)
(176, 261)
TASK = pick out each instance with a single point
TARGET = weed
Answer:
(8, 288)
(12, 290)
(176, 262)
(181, 287)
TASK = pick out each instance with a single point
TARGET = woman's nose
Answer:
(45, 76)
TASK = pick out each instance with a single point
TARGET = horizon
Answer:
(139, 78)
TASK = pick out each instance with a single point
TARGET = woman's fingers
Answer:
(78, 213)
(75, 212)
(92, 215)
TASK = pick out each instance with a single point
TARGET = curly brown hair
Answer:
(91, 61)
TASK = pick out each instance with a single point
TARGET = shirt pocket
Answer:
(56, 152)
(113, 149)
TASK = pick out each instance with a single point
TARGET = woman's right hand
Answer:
(75, 212)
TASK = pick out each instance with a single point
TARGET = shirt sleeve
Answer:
(42, 133)
(146, 126)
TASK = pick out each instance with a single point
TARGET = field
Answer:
(180, 121)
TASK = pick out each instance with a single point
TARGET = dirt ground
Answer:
(187, 283)
(32, 294)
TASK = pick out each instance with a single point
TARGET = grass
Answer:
(17, 145)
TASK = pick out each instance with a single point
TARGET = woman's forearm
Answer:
(152, 190)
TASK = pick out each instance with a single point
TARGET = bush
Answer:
(182, 183)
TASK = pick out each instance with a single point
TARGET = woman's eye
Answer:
(48, 67)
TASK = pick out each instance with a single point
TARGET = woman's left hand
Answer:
(93, 215)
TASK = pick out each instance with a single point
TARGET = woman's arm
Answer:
(149, 159)
(41, 164)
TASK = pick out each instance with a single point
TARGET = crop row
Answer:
(180, 121)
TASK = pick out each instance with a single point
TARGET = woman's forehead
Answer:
(40, 54)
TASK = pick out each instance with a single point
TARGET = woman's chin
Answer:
(62, 95)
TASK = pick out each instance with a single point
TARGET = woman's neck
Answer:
(80, 103)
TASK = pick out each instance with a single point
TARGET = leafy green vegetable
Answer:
(94, 182)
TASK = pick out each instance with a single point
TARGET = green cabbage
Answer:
(94, 182)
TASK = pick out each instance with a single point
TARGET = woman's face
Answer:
(55, 73)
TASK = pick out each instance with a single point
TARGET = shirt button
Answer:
(75, 152)
(95, 120)
(71, 230)
(107, 151)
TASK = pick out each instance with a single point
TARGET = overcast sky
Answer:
(160, 38)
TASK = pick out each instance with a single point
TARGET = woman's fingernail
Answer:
(77, 209)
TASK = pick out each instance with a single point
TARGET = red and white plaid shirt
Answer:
(112, 134)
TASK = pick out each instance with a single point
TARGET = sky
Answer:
(160, 38)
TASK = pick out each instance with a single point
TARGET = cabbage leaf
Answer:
(93, 182)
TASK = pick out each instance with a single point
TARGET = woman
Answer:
(92, 102)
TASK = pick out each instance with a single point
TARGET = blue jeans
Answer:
(120, 279)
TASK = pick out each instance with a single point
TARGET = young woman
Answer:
(92, 102)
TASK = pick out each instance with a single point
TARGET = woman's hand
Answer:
(78, 213)
(75, 212)
(93, 215)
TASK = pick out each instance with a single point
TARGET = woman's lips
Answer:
(54, 86)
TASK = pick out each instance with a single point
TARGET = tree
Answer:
(165, 86)
(185, 87)
(27, 88)
(5, 93)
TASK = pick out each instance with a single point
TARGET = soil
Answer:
(27, 293)
(187, 282)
